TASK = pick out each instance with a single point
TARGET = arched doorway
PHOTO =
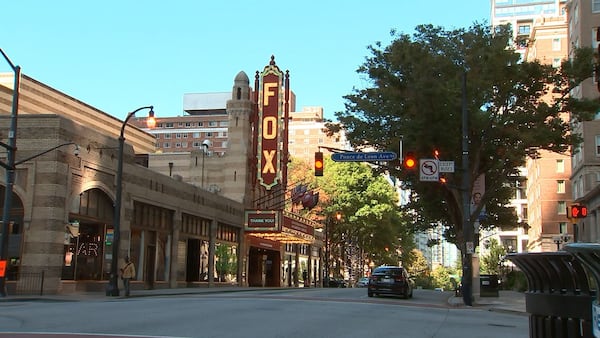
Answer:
(15, 233)
(88, 237)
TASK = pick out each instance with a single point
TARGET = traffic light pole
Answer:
(468, 248)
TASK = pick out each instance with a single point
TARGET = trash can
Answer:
(488, 286)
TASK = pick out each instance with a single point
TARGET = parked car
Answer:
(362, 282)
(336, 283)
(390, 280)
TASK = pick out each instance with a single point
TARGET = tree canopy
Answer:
(370, 227)
(515, 109)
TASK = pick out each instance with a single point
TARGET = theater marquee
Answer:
(280, 226)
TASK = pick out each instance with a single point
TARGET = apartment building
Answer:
(540, 33)
(584, 23)
(205, 125)
(548, 184)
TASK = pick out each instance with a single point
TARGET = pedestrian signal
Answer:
(578, 211)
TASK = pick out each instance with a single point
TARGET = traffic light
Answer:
(409, 161)
(578, 211)
(318, 163)
(443, 179)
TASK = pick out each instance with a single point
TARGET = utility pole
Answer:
(468, 249)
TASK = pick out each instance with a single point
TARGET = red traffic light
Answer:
(319, 163)
(409, 162)
(579, 211)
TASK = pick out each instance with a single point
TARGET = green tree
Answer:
(419, 270)
(442, 278)
(490, 262)
(514, 110)
(370, 217)
(371, 225)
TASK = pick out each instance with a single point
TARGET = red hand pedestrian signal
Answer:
(578, 211)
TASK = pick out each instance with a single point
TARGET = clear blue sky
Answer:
(121, 55)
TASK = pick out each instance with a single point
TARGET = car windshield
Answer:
(388, 271)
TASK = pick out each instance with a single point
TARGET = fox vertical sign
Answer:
(269, 126)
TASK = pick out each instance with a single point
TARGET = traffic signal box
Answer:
(318, 163)
(409, 161)
(578, 211)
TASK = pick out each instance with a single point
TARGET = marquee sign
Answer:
(269, 126)
(278, 225)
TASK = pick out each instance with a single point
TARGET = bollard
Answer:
(559, 297)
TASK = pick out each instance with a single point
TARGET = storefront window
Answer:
(83, 253)
(226, 262)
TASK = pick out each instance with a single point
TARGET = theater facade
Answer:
(233, 230)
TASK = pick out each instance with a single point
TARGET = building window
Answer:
(209, 134)
(556, 62)
(185, 135)
(556, 44)
(167, 136)
(177, 145)
(180, 124)
(184, 144)
(560, 166)
(178, 135)
(200, 124)
(562, 227)
(562, 208)
(212, 124)
(196, 135)
(188, 124)
(596, 6)
(224, 123)
(560, 186)
(524, 29)
(169, 125)
(597, 145)
(166, 145)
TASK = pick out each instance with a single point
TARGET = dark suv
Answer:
(390, 280)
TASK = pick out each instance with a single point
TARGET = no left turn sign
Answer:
(429, 169)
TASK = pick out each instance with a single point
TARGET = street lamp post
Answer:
(11, 148)
(113, 286)
(205, 145)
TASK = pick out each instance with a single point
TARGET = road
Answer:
(280, 313)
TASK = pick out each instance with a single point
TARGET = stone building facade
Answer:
(176, 233)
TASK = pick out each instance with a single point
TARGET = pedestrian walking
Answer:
(127, 273)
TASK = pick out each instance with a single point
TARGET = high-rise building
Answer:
(584, 23)
(542, 191)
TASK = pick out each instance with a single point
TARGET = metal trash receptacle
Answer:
(488, 286)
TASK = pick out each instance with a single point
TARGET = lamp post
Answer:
(113, 286)
(11, 148)
(205, 145)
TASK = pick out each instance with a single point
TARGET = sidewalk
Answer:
(97, 295)
(509, 301)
